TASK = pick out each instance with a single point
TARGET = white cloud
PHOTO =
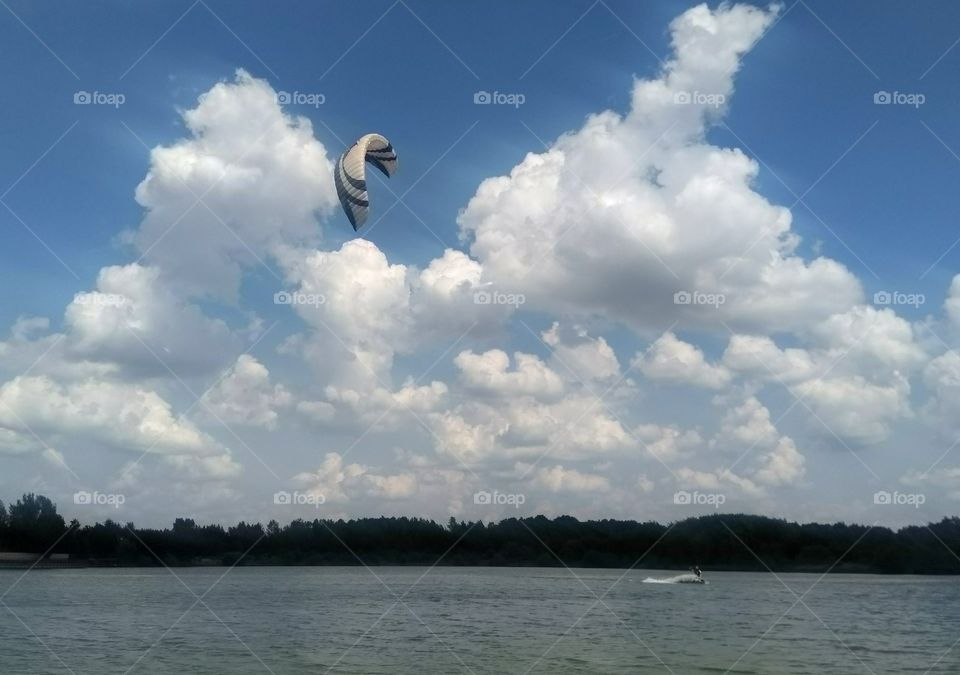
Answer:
(942, 379)
(364, 315)
(558, 479)
(855, 409)
(946, 479)
(331, 478)
(245, 395)
(759, 357)
(670, 359)
(338, 482)
(783, 465)
(490, 372)
(379, 407)
(370, 310)
(261, 178)
(951, 305)
(130, 326)
(576, 353)
(616, 217)
(398, 486)
(868, 340)
(137, 323)
(668, 442)
(124, 416)
(747, 425)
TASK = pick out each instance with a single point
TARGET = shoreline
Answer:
(796, 569)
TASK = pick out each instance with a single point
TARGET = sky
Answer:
(639, 260)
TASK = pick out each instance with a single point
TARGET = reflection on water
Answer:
(472, 620)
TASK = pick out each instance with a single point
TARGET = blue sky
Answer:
(803, 100)
(867, 186)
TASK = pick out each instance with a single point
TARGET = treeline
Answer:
(716, 542)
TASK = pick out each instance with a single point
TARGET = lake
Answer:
(472, 620)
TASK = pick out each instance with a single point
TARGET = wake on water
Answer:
(679, 579)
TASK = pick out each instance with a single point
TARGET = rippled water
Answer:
(472, 620)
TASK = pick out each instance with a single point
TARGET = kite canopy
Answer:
(350, 174)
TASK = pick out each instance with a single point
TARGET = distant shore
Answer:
(34, 535)
(84, 564)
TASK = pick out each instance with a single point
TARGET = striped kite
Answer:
(350, 174)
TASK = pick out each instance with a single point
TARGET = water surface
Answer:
(472, 620)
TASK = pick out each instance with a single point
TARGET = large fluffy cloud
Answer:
(245, 395)
(247, 180)
(364, 310)
(673, 360)
(123, 416)
(616, 218)
(336, 481)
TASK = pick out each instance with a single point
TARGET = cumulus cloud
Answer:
(248, 179)
(951, 305)
(942, 379)
(130, 326)
(668, 442)
(854, 409)
(946, 479)
(139, 325)
(335, 481)
(368, 310)
(670, 359)
(244, 395)
(490, 372)
(615, 218)
(124, 416)
(378, 408)
(559, 479)
(578, 354)
(759, 358)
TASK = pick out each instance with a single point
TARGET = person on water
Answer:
(696, 570)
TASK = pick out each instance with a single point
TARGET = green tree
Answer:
(34, 524)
